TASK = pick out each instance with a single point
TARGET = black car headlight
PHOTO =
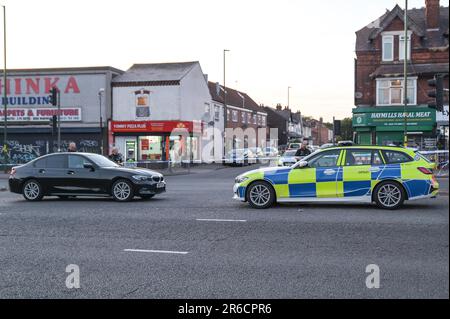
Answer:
(140, 178)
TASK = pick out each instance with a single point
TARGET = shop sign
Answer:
(41, 114)
(151, 126)
(420, 117)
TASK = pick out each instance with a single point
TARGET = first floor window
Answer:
(234, 116)
(216, 112)
(390, 92)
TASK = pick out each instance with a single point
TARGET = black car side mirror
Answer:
(89, 166)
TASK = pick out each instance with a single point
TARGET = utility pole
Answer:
(5, 93)
(59, 119)
(405, 80)
(225, 109)
(100, 93)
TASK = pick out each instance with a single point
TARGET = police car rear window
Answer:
(394, 157)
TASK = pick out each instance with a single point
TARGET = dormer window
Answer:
(388, 48)
(401, 47)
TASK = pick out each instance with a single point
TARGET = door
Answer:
(50, 172)
(319, 178)
(358, 166)
(80, 179)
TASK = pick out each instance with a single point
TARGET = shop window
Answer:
(150, 148)
(390, 91)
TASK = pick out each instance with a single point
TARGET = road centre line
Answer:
(156, 251)
(220, 220)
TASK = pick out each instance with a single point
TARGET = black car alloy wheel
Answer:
(122, 190)
(32, 190)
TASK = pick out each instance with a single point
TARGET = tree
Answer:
(346, 129)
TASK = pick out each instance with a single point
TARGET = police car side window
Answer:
(394, 157)
(358, 157)
(325, 159)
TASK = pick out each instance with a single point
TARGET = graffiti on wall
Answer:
(20, 151)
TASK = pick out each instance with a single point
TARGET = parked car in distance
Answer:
(240, 156)
(271, 152)
(288, 158)
(345, 143)
(294, 146)
(326, 145)
(83, 174)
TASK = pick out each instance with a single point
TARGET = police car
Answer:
(365, 174)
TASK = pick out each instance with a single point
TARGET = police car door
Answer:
(319, 178)
(357, 173)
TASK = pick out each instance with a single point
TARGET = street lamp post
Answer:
(405, 80)
(100, 94)
(5, 93)
(225, 110)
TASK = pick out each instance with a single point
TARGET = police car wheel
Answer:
(389, 195)
(122, 191)
(32, 190)
(260, 195)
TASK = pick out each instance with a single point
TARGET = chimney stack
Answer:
(278, 107)
(432, 14)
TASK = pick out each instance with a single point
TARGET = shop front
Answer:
(156, 142)
(386, 126)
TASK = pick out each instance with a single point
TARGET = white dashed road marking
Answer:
(156, 251)
(221, 220)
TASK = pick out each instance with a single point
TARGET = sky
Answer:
(306, 45)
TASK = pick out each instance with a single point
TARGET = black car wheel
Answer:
(147, 196)
(122, 191)
(389, 195)
(260, 195)
(32, 190)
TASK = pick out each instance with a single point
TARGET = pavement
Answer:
(196, 242)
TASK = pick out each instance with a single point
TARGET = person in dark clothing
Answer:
(115, 156)
(303, 151)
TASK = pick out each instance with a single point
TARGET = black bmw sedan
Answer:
(83, 174)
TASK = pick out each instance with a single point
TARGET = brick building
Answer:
(379, 117)
(242, 112)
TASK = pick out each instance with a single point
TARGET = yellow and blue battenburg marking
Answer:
(341, 181)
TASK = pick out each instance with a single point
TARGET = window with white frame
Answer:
(401, 47)
(263, 122)
(244, 116)
(207, 110)
(255, 119)
(388, 48)
(234, 116)
(390, 91)
(216, 112)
